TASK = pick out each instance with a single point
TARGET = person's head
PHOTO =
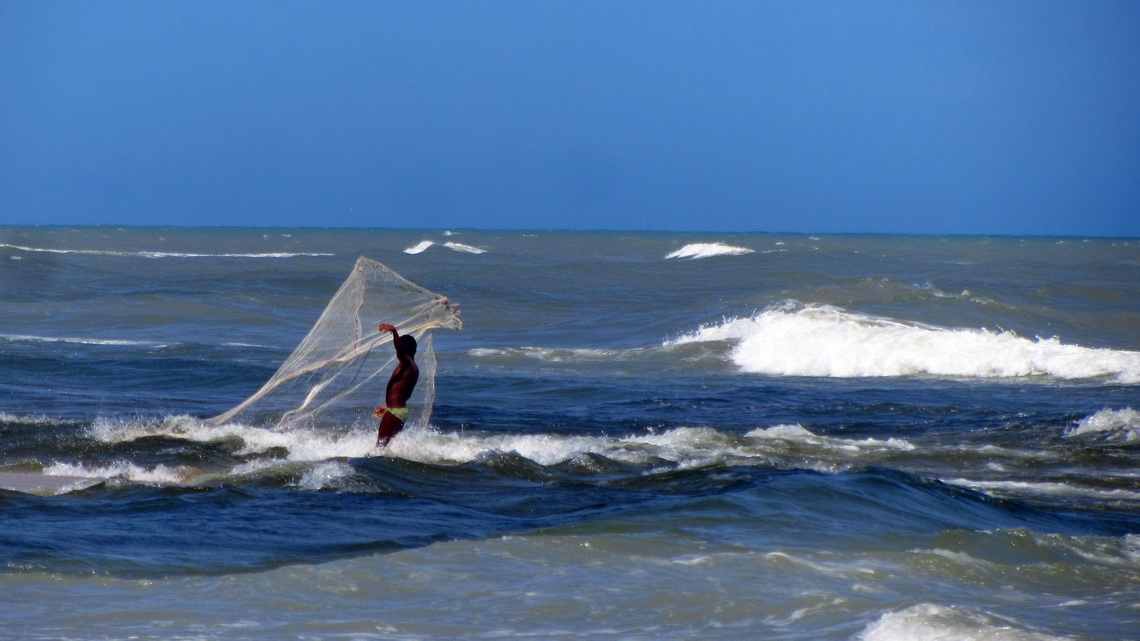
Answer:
(409, 344)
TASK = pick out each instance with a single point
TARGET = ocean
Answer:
(635, 436)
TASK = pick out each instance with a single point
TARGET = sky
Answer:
(931, 117)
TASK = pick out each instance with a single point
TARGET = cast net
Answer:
(339, 372)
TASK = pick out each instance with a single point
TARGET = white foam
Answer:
(820, 340)
(791, 446)
(931, 622)
(423, 245)
(157, 254)
(706, 250)
(1113, 425)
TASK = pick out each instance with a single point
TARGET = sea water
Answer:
(636, 436)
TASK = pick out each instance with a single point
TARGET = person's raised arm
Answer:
(401, 351)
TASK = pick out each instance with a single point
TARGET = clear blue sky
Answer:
(913, 116)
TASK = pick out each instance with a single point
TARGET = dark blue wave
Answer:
(396, 504)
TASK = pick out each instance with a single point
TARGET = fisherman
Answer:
(404, 378)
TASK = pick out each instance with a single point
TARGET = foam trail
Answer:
(155, 254)
(820, 340)
(706, 250)
(80, 341)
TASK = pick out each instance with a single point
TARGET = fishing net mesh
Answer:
(339, 372)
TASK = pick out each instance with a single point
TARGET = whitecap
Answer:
(423, 245)
(706, 250)
(419, 248)
(1112, 425)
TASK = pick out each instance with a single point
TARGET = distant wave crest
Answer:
(423, 246)
(820, 340)
(695, 251)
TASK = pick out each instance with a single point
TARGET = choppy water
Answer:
(636, 436)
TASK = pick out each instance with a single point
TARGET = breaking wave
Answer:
(322, 452)
(820, 340)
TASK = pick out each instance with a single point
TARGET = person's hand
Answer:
(385, 327)
(379, 413)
